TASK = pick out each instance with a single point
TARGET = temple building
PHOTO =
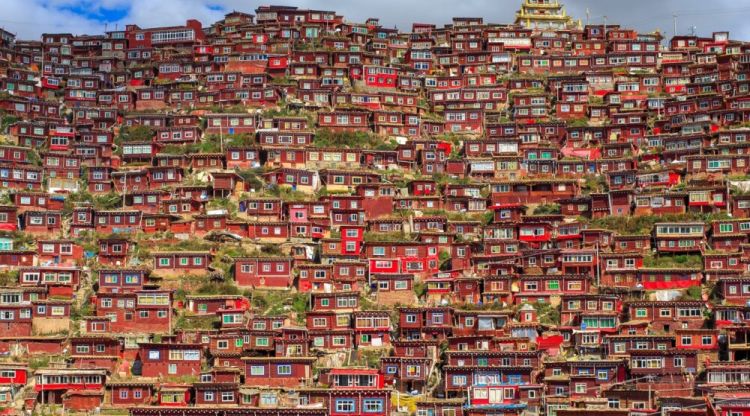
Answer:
(543, 15)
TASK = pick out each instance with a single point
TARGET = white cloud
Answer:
(30, 18)
(149, 13)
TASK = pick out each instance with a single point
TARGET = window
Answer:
(320, 322)
(459, 380)
(268, 399)
(257, 370)
(284, 369)
(372, 405)
(345, 406)
(688, 312)
(647, 362)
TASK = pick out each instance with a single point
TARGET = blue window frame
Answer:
(372, 405)
(345, 406)
(514, 379)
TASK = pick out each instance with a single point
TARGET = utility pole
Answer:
(598, 268)
(41, 380)
(221, 135)
(124, 187)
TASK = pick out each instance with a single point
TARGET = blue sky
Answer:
(101, 14)
(30, 18)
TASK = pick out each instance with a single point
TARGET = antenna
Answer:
(674, 22)
(588, 15)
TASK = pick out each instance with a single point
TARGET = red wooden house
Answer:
(669, 278)
(60, 280)
(540, 288)
(136, 311)
(16, 313)
(392, 289)
(344, 301)
(668, 316)
(52, 384)
(174, 263)
(227, 123)
(372, 328)
(129, 393)
(59, 251)
(115, 280)
(47, 223)
(679, 237)
(344, 120)
(117, 221)
(402, 257)
(242, 157)
(95, 351)
(734, 290)
(268, 272)
(278, 371)
(425, 322)
(166, 359)
(113, 251)
(211, 304)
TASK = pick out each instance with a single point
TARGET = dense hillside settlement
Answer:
(286, 213)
